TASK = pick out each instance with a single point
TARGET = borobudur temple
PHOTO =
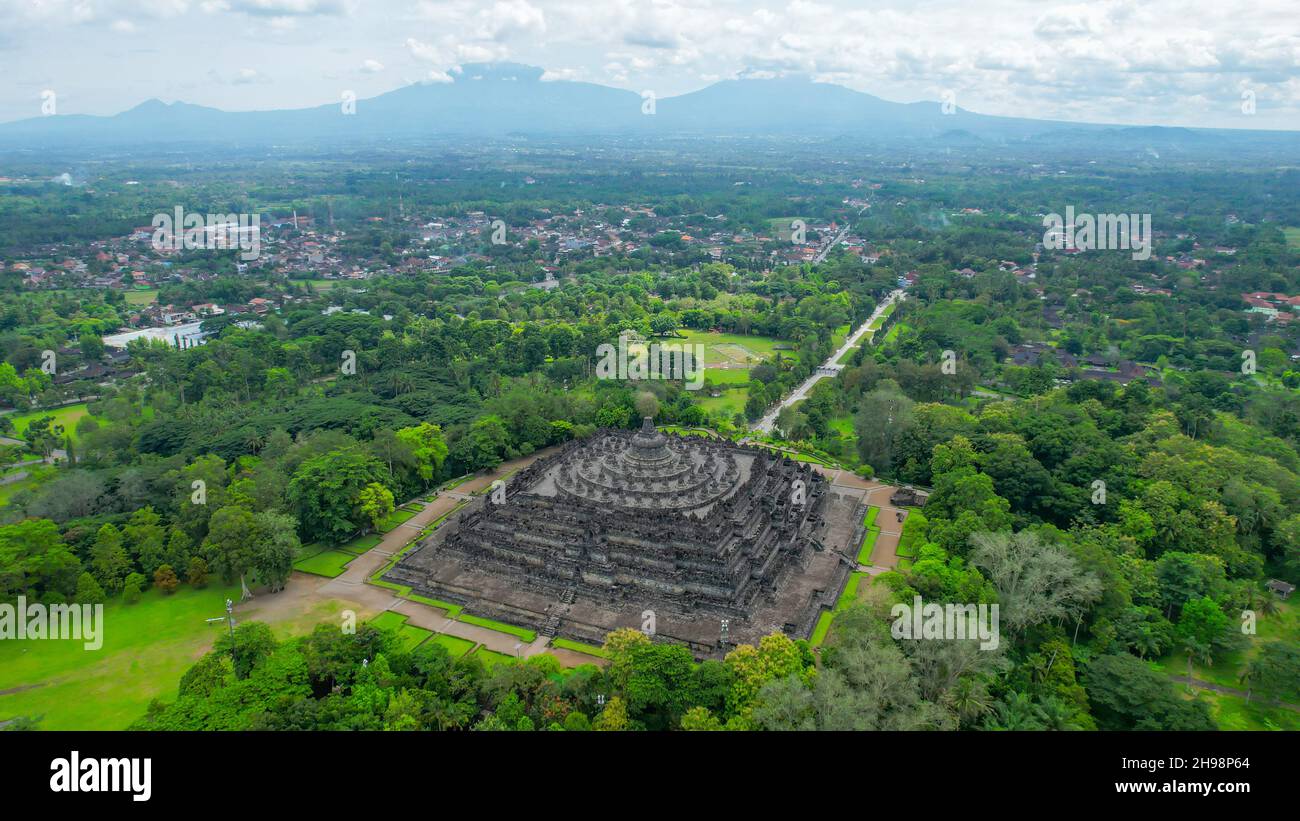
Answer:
(697, 530)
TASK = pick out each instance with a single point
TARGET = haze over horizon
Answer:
(1114, 62)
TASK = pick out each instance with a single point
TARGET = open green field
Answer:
(142, 296)
(316, 284)
(147, 646)
(67, 416)
(727, 350)
(894, 331)
(730, 402)
(843, 425)
(780, 226)
(1292, 235)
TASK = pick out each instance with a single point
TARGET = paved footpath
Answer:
(306, 590)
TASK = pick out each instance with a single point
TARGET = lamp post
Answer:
(229, 619)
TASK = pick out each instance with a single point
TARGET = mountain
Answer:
(512, 100)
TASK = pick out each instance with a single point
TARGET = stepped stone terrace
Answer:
(696, 530)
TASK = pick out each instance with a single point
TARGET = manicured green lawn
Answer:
(456, 646)
(327, 563)
(727, 376)
(361, 544)
(412, 636)
(66, 416)
(147, 646)
(499, 626)
(492, 658)
(579, 647)
(869, 540)
(389, 620)
(395, 518)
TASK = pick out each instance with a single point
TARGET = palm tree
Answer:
(1055, 715)
(1016, 712)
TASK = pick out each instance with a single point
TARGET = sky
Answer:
(1229, 64)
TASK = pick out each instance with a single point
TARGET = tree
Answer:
(325, 491)
(164, 578)
(89, 590)
(375, 502)
(613, 717)
(1036, 581)
(109, 561)
(428, 446)
(197, 575)
(133, 588)
(277, 546)
(700, 719)
(252, 642)
(231, 544)
(1201, 627)
(1126, 694)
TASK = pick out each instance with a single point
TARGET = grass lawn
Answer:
(389, 620)
(847, 597)
(147, 646)
(727, 350)
(730, 402)
(1292, 235)
(579, 647)
(66, 416)
(492, 658)
(411, 636)
(1234, 713)
(456, 646)
(894, 330)
(142, 296)
(869, 541)
(395, 518)
(522, 633)
(725, 376)
(327, 563)
(361, 544)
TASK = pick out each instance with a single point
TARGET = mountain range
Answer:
(512, 100)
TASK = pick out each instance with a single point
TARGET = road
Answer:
(829, 367)
(821, 255)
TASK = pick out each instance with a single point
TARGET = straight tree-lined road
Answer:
(830, 366)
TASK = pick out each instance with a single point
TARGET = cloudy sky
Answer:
(1168, 62)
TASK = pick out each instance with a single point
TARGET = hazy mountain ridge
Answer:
(511, 99)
